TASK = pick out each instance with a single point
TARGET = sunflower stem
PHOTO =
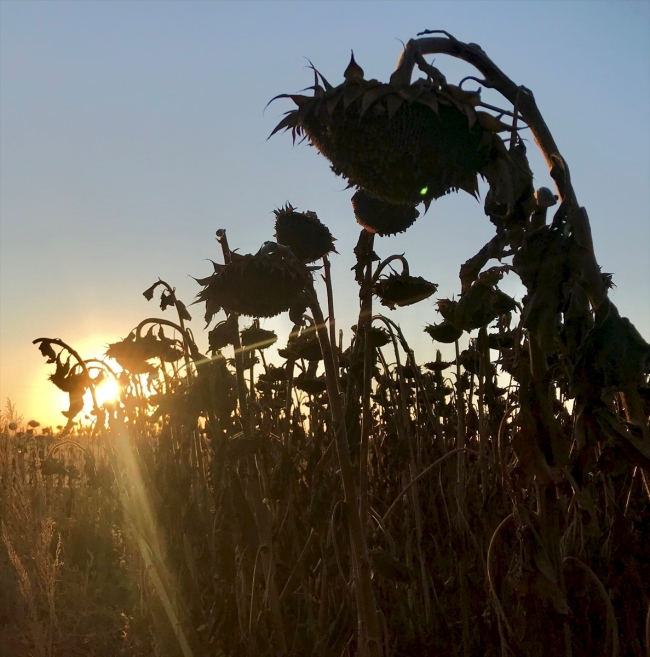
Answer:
(364, 325)
(523, 100)
(331, 320)
(181, 322)
(369, 626)
(386, 262)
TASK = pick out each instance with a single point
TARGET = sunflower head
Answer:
(400, 144)
(310, 385)
(479, 305)
(261, 285)
(381, 217)
(223, 334)
(134, 352)
(403, 290)
(303, 233)
(444, 332)
(379, 337)
(255, 337)
(303, 345)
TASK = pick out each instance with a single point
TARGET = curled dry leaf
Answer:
(74, 381)
(511, 198)
(149, 292)
(45, 347)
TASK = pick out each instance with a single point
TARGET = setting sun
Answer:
(107, 391)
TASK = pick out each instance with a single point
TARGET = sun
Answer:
(107, 391)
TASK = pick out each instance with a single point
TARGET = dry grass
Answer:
(182, 540)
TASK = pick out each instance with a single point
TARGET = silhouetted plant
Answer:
(347, 500)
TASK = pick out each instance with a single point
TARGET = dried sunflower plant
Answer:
(346, 500)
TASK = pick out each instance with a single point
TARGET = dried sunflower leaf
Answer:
(166, 300)
(45, 347)
(636, 449)
(149, 292)
(181, 308)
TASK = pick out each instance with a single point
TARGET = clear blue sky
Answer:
(131, 131)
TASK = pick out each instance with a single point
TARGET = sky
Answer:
(131, 131)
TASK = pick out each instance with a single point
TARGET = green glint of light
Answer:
(423, 191)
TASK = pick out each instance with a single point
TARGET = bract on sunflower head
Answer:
(400, 144)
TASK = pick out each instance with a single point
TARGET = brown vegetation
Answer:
(351, 500)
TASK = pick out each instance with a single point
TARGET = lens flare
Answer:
(423, 191)
(107, 391)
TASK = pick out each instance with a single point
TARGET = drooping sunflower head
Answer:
(303, 345)
(379, 337)
(403, 290)
(134, 352)
(400, 144)
(303, 233)
(223, 334)
(310, 385)
(444, 332)
(261, 285)
(255, 337)
(381, 217)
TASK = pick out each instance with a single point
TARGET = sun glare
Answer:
(107, 391)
